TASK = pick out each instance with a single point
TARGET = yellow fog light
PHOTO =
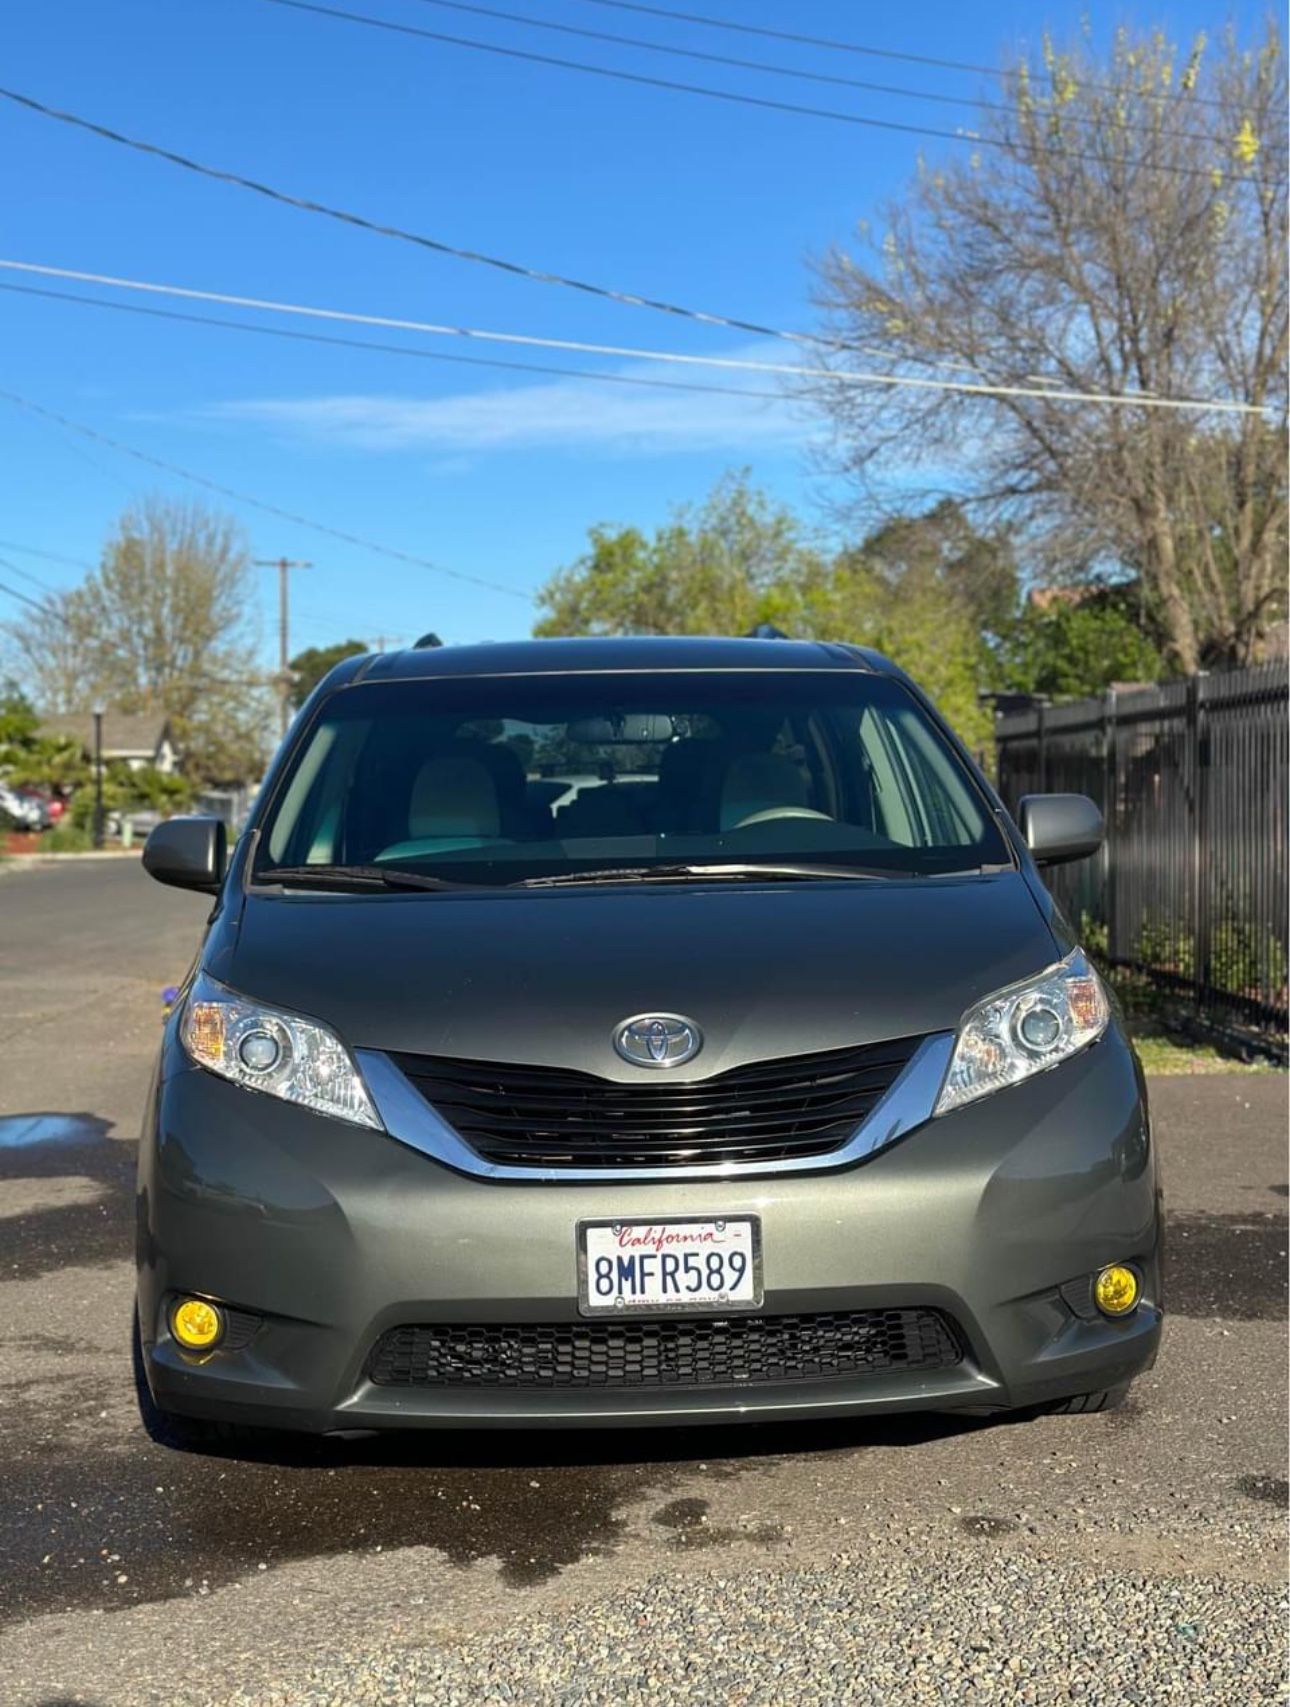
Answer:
(1116, 1290)
(197, 1325)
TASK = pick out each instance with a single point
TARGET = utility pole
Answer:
(97, 715)
(283, 565)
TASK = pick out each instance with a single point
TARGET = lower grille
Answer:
(676, 1353)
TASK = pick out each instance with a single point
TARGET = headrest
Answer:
(453, 796)
(758, 782)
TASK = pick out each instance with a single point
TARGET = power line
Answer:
(795, 108)
(1001, 73)
(44, 606)
(25, 575)
(544, 368)
(257, 503)
(516, 268)
(903, 92)
(838, 376)
(36, 551)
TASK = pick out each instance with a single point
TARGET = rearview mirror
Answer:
(1060, 827)
(622, 729)
(188, 853)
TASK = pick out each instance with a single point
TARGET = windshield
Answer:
(506, 779)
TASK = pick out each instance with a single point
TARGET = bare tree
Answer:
(50, 651)
(165, 624)
(1120, 228)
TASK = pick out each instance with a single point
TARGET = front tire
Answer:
(1082, 1404)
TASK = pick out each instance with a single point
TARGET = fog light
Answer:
(1116, 1290)
(197, 1325)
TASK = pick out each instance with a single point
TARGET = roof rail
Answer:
(426, 642)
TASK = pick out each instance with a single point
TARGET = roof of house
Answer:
(121, 733)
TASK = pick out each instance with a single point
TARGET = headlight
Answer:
(268, 1050)
(1025, 1029)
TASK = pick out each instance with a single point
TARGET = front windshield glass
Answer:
(496, 780)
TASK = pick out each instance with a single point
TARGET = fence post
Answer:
(1198, 725)
(1041, 746)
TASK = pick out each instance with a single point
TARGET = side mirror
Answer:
(1060, 827)
(189, 853)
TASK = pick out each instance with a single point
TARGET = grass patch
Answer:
(1162, 1052)
(1168, 1037)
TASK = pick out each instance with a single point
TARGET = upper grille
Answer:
(520, 1116)
(700, 1351)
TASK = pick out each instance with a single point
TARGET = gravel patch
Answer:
(966, 1626)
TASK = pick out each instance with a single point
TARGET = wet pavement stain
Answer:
(688, 1519)
(72, 1234)
(986, 1527)
(681, 1514)
(1231, 1266)
(1271, 1490)
(144, 1524)
(136, 1521)
(1126, 1415)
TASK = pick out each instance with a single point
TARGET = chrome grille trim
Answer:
(408, 1117)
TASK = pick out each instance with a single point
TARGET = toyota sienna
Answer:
(637, 1032)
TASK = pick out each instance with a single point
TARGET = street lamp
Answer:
(98, 775)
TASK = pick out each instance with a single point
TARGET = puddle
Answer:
(22, 1131)
(1226, 1266)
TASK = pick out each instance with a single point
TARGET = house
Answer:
(137, 741)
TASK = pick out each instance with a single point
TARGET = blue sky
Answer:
(496, 475)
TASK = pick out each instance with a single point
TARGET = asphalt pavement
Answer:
(1133, 1557)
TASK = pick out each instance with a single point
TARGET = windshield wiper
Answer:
(356, 877)
(732, 872)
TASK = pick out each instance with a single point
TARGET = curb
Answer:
(16, 862)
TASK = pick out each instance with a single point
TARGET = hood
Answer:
(543, 978)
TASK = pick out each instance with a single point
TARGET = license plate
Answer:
(673, 1264)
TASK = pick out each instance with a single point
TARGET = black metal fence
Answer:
(1191, 887)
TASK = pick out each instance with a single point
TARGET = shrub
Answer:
(66, 838)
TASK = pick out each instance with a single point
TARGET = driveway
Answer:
(1132, 1557)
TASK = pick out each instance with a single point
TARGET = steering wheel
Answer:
(770, 813)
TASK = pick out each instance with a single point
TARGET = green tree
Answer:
(738, 560)
(718, 568)
(127, 790)
(1122, 230)
(1070, 648)
(942, 549)
(310, 666)
(29, 759)
(911, 619)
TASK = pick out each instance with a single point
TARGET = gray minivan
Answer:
(761, 1079)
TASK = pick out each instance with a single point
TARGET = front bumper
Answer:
(330, 1235)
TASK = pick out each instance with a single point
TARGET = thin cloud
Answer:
(557, 414)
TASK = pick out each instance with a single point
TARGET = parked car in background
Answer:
(25, 808)
(755, 1076)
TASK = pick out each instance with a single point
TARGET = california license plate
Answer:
(672, 1264)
